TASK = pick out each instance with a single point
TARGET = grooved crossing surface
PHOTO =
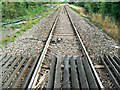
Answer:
(16, 70)
(112, 65)
(71, 72)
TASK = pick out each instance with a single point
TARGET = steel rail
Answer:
(85, 51)
(38, 67)
(29, 75)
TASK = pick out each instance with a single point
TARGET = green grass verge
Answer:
(22, 28)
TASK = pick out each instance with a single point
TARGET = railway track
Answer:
(24, 72)
(70, 66)
(58, 40)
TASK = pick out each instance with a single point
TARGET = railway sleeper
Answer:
(112, 64)
(71, 73)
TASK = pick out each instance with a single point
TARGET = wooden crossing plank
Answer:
(66, 73)
(117, 59)
(115, 63)
(110, 73)
(58, 73)
(89, 74)
(5, 59)
(2, 56)
(5, 66)
(50, 84)
(13, 65)
(22, 73)
(14, 73)
(74, 77)
(80, 75)
(83, 80)
(115, 71)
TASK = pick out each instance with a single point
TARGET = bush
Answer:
(13, 10)
(111, 9)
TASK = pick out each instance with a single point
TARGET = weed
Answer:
(79, 10)
(22, 28)
(12, 39)
(108, 25)
(28, 25)
(18, 33)
(4, 40)
(35, 21)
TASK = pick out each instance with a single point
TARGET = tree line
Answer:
(111, 9)
(12, 10)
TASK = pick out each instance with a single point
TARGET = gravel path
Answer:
(96, 42)
(32, 41)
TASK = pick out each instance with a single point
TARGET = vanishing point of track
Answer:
(81, 45)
